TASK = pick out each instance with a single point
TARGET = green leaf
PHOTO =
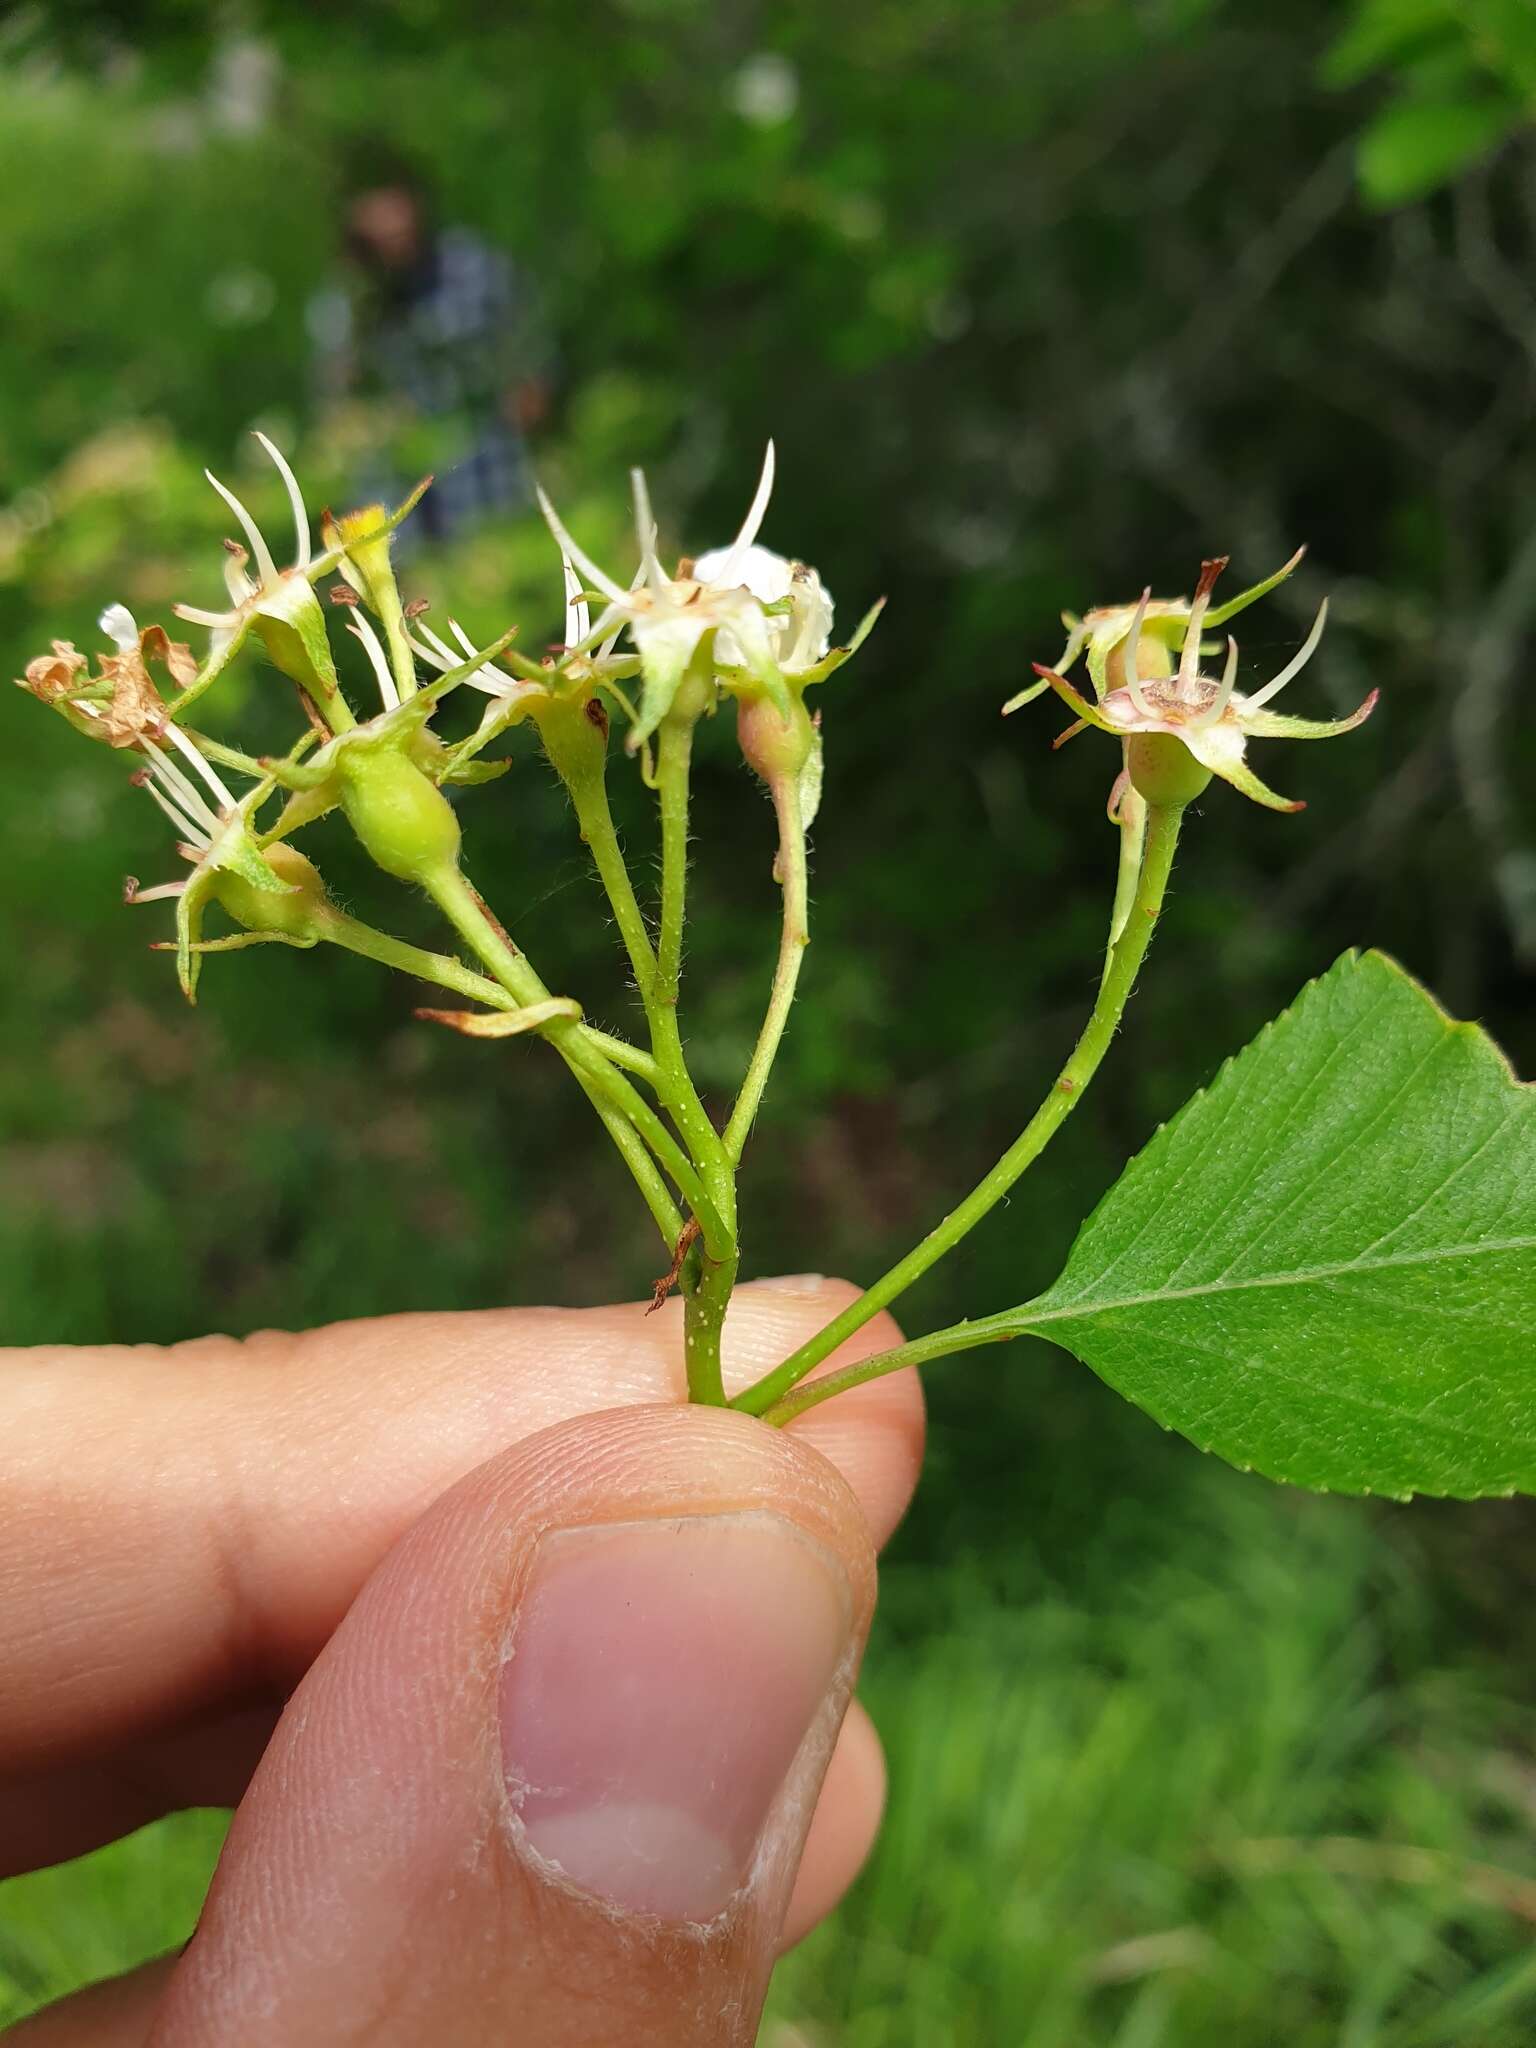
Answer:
(1324, 1268)
(1388, 32)
(1416, 145)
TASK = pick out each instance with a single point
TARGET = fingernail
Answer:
(793, 1283)
(661, 1681)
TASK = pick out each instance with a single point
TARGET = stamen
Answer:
(132, 893)
(204, 767)
(758, 509)
(195, 616)
(252, 531)
(185, 792)
(583, 561)
(1130, 655)
(578, 617)
(301, 557)
(198, 835)
(1203, 720)
(362, 631)
(1189, 652)
(1295, 665)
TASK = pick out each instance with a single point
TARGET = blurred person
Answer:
(447, 330)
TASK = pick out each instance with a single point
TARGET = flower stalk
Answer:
(1162, 838)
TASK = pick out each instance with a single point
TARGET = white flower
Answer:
(1211, 719)
(668, 617)
(800, 634)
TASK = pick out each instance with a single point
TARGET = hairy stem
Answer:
(708, 1279)
(794, 937)
(1162, 838)
(921, 1351)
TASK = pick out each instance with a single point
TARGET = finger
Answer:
(66, 1813)
(185, 1528)
(551, 1778)
(843, 1827)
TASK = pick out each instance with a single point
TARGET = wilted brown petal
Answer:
(137, 708)
(155, 644)
(51, 675)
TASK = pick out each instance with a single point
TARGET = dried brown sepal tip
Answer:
(504, 1023)
(664, 1286)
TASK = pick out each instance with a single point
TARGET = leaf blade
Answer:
(1324, 1268)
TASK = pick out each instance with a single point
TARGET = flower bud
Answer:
(404, 822)
(775, 746)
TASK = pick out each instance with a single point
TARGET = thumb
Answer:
(551, 1778)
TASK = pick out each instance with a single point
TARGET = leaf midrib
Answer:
(1297, 1277)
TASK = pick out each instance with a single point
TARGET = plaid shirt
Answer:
(452, 346)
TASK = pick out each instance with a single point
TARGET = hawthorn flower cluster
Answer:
(740, 620)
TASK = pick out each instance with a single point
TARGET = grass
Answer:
(1196, 1777)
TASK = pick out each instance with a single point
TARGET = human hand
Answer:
(563, 1660)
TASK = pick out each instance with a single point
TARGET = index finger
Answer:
(185, 1528)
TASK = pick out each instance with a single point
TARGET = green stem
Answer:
(356, 937)
(1162, 838)
(707, 1282)
(589, 794)
(794, 938)
(464, 908)
(632, 1058)
(921, 1350)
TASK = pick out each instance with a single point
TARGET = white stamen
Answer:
(178, 785)
(645, 531)
(252, 531)
(194, 616)
(1130, 655)
(373, 647)
(578, 616)
(197, 835)
(120, 627)
(583, 561)
(758, 509)
(160, 892)
(1296, 664)
(490, 681)
(1223, 697)
(204, 767)
(301, 557)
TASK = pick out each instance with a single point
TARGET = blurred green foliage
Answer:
(1465, 72)
(1042, 302)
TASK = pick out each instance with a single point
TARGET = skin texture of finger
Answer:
(184, 1529)
(843, 1827)
(550, 1780)
(842, 1833)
